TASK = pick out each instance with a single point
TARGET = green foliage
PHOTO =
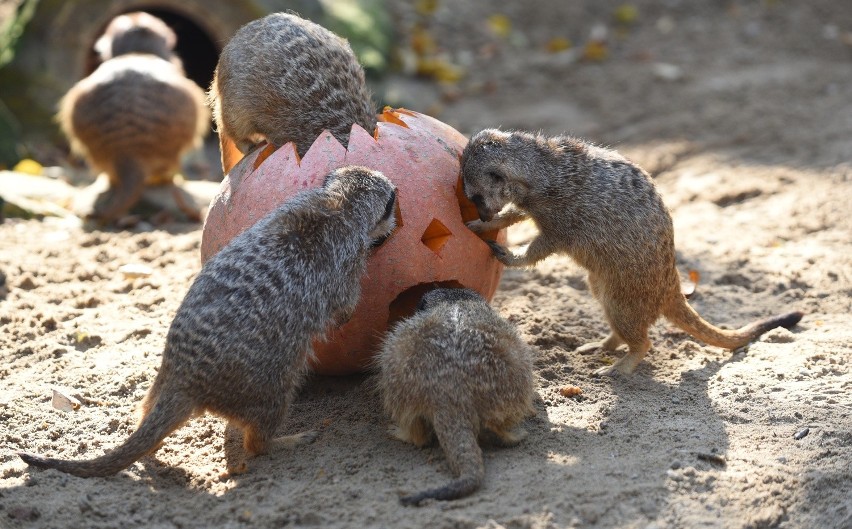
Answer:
(12, 28)
(367, 27)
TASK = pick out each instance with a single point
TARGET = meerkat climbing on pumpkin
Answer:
(603, 211)
(456, 370)
(282, 79)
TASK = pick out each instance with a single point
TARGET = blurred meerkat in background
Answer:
(136, 114)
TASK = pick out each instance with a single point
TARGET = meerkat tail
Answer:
(126, 190)
(458, 439)
(684, 316)
(170, 412)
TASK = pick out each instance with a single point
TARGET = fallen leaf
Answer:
(570, 391)
(426, 7)
(64, 402)
(440, 70)
(557, 44)
(500, 25)
(595, 51)
(422, 42)
(687, 288)
(626, 14)
(694, 276)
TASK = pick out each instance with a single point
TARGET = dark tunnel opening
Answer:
(195, 47)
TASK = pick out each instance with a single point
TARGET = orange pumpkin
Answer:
(430, 246)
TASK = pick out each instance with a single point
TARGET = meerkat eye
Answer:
(496, 177)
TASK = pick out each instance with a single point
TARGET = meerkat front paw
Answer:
(476, 226)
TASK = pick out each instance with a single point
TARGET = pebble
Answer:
(801, 433)
(668, 72)
(135, 270)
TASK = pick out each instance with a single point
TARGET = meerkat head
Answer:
(137, 32)
(492, 172)
(371, 196)
(446, 295)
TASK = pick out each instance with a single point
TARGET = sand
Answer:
(741, 111)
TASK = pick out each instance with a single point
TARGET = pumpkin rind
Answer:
(421, 158)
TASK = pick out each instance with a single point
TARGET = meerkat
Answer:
(136, 114)
(605, 212)
(240, 342)
(457, 370)
(285, 79)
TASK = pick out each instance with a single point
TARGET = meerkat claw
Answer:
(610, 371)
(476, 226)
(499, 251)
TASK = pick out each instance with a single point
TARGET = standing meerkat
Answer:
(285, 79)
(241, 339)
(136, 114)
(458, 370)
(603, 211)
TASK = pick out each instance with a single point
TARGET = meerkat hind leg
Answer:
(119, 197)
(609, 344)
(507, 438)
(627, 363)
(630, 323)
(235, 454)
(245, 441)
(416, 431)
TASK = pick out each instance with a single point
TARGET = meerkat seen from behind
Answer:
(457, 370)
(136, 114)
(240, 342)
(284, 79)
(603, 211)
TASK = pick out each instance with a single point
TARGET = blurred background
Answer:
(718, 73)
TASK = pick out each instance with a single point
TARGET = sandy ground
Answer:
(740, 109)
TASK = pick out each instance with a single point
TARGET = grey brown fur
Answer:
(285, 79)
(241, 340)
(603, 211)
(136, 114)
(460, 371)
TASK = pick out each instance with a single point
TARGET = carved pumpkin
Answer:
(431, 244)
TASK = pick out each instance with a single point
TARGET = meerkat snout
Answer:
(486, 178)
(353, 181)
